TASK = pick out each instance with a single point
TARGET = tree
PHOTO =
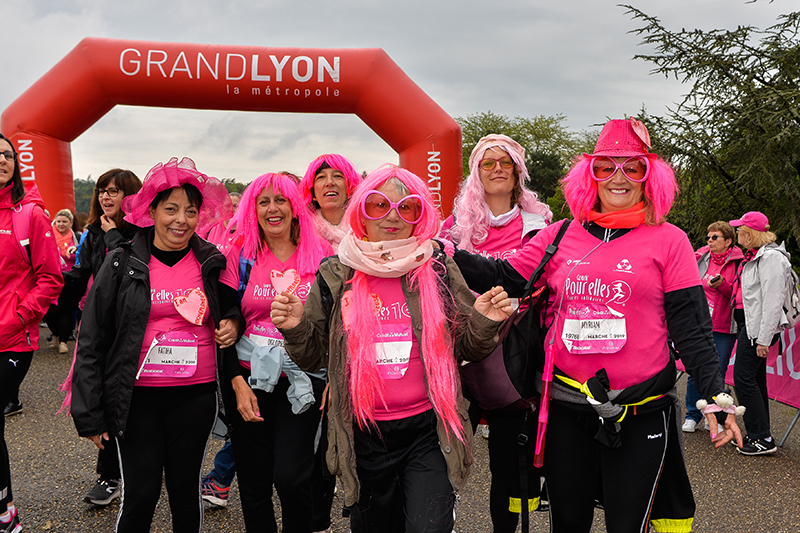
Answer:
(735, 137)
(549, 146)
(84, 189)
(233, 185)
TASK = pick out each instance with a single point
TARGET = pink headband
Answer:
(216, 200)
(505, 143)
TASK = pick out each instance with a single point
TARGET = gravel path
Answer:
(52, 469)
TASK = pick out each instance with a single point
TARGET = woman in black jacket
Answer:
(147, 360)
(106, 230)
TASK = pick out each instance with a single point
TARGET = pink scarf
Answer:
(719, 259)
(387, 259)
(329, 232)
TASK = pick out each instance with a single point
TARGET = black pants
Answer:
(504, 464)
(13, 367)
(323, 483)
(576, 465)
(108, 460)
(279, 451)
(750, 380)
(403, 475)
(167, 432)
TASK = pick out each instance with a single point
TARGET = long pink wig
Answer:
(437, 347)
(335, 161)
(470, 208)
(660, 189)
(310, 247)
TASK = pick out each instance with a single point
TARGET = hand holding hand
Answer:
(227, 332)
(286, 311)
(494, 304)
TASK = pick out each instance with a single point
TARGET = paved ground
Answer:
(52, 469)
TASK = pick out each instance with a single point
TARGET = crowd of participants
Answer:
(322, 322)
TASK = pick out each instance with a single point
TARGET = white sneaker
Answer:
(689, 426)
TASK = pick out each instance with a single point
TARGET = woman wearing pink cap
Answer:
(621, 281)
(147, 359)
(764, 280)
(326, 187)
(494, 215)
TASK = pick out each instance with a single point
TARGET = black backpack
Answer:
(508, 378)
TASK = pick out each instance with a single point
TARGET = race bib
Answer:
(172, 354)
(593, 328)
(393, 350)
(264, 334)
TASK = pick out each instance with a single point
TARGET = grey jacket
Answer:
(319, 341)
(765, 283)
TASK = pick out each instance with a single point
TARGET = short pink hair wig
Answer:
(660, 189)
(470, 209)
(310, 247)
(426, 228)
(335, 161)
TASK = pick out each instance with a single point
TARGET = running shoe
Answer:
(758, 447)
(13, 525)
(213, 493)
(104, 492)
(689, 425)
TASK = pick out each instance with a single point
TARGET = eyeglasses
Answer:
(634, 168)
(377, 205)
(9, 155)
(488, 163)
(111, 191)
(712, 237)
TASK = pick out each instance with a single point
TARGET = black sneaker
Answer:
(12, 409)
(758, 447)
(13, 525)
(104, 492)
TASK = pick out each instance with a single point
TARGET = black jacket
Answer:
(113, 327)
(90, 259)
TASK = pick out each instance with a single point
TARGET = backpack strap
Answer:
(245, 267)
(21, 226)
(548, 253)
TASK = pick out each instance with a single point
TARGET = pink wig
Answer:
(580, 189)
(470, 208)
(335, 161)
(310, 247)
(437, 347)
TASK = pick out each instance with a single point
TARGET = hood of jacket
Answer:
(736, 253)
(32, 196)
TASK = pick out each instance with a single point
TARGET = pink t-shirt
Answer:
(610, 304)
(397, 349)
(501, 242)
(268, 277)
(183, 353)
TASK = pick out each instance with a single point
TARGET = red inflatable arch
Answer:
(101, 73)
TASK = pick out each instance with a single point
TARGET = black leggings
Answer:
(167, 432)
(13, 367)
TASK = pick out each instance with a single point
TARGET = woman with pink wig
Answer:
(158, 316)
(621, 282)
(391, 318)
(326, 187)
(494, 215)
(273, 406)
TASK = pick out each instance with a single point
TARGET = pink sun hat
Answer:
(216, 206)
(625, 137)
(754, 220)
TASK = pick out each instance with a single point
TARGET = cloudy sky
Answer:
(518, 58)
